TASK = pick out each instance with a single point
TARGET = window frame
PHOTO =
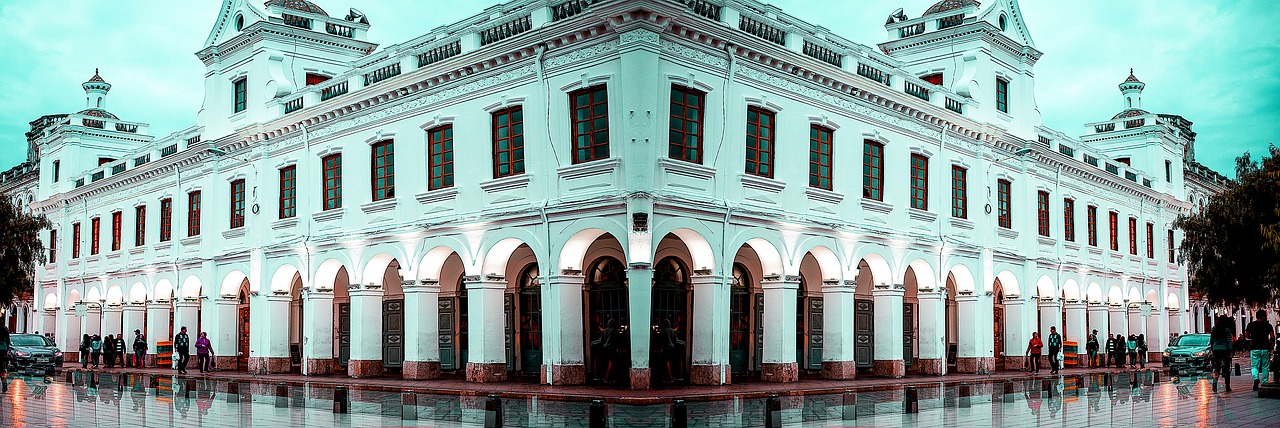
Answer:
(288, 201)
(1114, 218)
(1069, 219)
(166, 219)
(514, 150)
(1133, 236)
(237, 205)
(193, 213)
(919, 181)
(823, 150)
(331, 182)
(1004, 204)
(53, 245)
(1151, 237)
(239, 95)
(1091, 212)
(584, 129)
(1171, 246)
(873, 170)
(117, 226)
(1042, 213)
(382, 179)
(95, 227)
(683, 134)
(767, 152)
(440, 138)
(959, 192)
(75, 240)
(139, 225)
(1002, 95)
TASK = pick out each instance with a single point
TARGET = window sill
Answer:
(284, 223)
(588, 169)
(823, 195)
(960, 223)
(1095, 251)
(1135, 259)
(190, 241)
(137, 250)
(1007, 233)
(763, 184)
(1117, 256)
(234, 233)
(113, 255)
(687, 169)
(73, 262)
(1071, 246)
(438, 195)
(922, 215)
(92, 259)
(238, 115)
(329, 215)
(384, 205)
(875, 206)
(511, 182)
(1046, 241)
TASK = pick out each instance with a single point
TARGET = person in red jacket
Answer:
(1034, 347)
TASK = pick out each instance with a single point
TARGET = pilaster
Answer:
(837, 343)
(317, 326)
(422, 330)
(563, 359)
(889, 329)
(487, 348)
(1076, 330)
(366, 331)
(640, 300)
(779, 360)
(970, 342)
(933, 338)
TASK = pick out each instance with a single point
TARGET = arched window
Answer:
(607, 271)
(1003, 23)
(741, 278)
(670, 272)
(239, 22)
(529, 282)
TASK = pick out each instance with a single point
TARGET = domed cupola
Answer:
(949, 5)
(298, 5)
(95, 103)
(1131, 88)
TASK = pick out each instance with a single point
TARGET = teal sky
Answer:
(1214, 62)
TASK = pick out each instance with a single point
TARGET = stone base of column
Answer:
(708, 374)
(320, 366)
(1019, 363)
(270, 364)
(486, 372)
(640, 378)
(150, 361)
(73, 357)
(565, 374)
(421, 370)
(931, 366)
(1154, 356)
(976, 365)
(1082, 360)
(839, 370)
(779, 372)
(224, 363)
(889, 368)
(364, 368)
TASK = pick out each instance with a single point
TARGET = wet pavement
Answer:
(98, 399)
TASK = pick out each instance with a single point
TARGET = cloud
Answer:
(1215, 63)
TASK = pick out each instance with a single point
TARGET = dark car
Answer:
(1190, 352)
(33, 352)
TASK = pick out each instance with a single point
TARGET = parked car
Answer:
(1190, 352)
(33, 352)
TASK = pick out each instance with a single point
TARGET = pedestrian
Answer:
(1033, 351)
(139, 349)
(1055, 347)
(1262, 338)
(1142, 350)
(1220, 343)
(85, 350)
(1132, 343)
(1111, 350)
(202, 352)
(120, 350)
(95, 347)
(4, 358)
(1118, 358)
(1091, 347)
(109, 351)
(182, 345)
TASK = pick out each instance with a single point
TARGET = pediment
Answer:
(1015, 28)
(225, 26)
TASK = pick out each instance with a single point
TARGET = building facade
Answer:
(606, 192)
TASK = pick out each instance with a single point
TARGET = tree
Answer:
(20, 250)
(1232, 246)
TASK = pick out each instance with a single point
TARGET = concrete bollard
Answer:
(408, 406)
(282, 395)
(911, 400)
(850, 410)
(341, 402)
(1133, 379)
(492, 412)
(71, 376)
(233, 392)
(1008, 391)
(187, 387)
(596, 415)
(965, 392)
(1237, 369)
(679, 414)
(773, 412)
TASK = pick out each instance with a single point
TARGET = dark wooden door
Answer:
(393, 334)
(759, 332)
(448, 350)
(863, 333)
(908, 334)
(344, 333)
(998, 328)
(740, 331)
(242, 338)
(509, 322)
(531, 331)
(815, 334)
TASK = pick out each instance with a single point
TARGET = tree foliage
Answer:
(20, 250)
(1232, 245)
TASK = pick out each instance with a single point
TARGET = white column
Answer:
(366, 331)
(709, 324)
(486, 333)
(269, 349)
(1098, 321)
(186, 313)
(1136, 324)
(1175, 322)
(1017, 332)
(157, 327)
(971, 354)
(1077, 331)
(778, 362)
(318, 331)
(1119, 319)
(49, 322)
(68, 330)
(1157, 331)
(421, 330)
(112, 319)
(1050, 316)
(133, 318)
(837, 342)
(933, 337)
(640, 303)
(562, 330)
(220, 323)
(888, 332)
(91, 322)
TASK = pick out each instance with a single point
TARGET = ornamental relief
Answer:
(695, 54)
(583, 54)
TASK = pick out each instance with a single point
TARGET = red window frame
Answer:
(313, 78)
(1151, 237)
(1115, 232)
(383, 167)
(686, 124)
(959, 192)
(288, 191)
(1133, 236)
(331, 177)
(589, 108)
(760, 137)
(237, 204)
(53, 246)
(117, 223)
(440, 157)
(872, 170)
(919, 182)
(75, 240)
(1069, 219)
(139, 225)
(166, 219)
(95, 227)
(1170, 245)
(508, 142)
(1092, 213)
(193, 213)
(821, 142)
(1042, 212)
(935, 78)
(1004, 209)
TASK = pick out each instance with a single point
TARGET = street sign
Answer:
(81, 309)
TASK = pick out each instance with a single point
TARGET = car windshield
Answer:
(1194, 340)
(29, 340)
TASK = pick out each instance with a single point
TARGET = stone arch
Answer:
(282, 279)
(115, 295)
(192, 288)
(1115, 296)
(73, 297)
(431, 266)
(1045, 288)
(51, 300)
(376, 259)
(1071, 289)
(1009, 283)
(376, 267)
(1134, 295)
(327, 276)
(700, 253)
(1153, 297)
(94, 295)
(963, 278)
(497, 256)
(138, 293)
(828, 263)
(163, 291)
(1094, 293)
(923, 273)
(574, 249)
(878, 266)
(231, 284)
(1171, 301)
(692, 233)
(771, 262)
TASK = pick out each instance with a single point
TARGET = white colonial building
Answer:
(593, 191)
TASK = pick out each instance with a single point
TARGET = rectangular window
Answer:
(140, 225)
(1092, 213)
(760, 142)
(1042, 212)
(820, 157)
(117, 222)
(1133, 236)
(1115, 230)
(57, 170)
(289, 191)
(95, 229)
(166, 219)
(872, 170)
(384, 171)
(1002, 95)
(193, 213)
(332, 179)
(237, 204)
(440, 148)
(590, 122)
(919, 182)
(76, 240)
(1151, 241)
(1168, 172)
(241, 92)
(1004, 202)
(1069, 219)
(686, 124)
(959, 192)
(313, 78)
(508, 142)
(1170, 245)
(53, 246)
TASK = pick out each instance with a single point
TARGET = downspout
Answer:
(942, 275)
(306, 141)
(728, 210)
(539, 53)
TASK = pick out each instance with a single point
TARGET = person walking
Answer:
(1111, 350)
(1142, 350)
(109, 351)
(1033, 350)
(1118, 358)
(120, 350)
(95, 346)
(1091, 346)
(1055, 347)
(202, 352)
(1132, 344)
(85, 350)
(182, 345)
(4, 358)
(1261, 338)
(139, 349)
(1220, 341)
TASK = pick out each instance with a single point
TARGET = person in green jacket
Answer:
(182, 345)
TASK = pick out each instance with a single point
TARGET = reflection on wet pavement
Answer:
(1144, 399)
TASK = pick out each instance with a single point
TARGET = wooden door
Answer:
(508, 317)
(393, 334)
(998, 328)
(759, 332)
(908, 334)
(448, 351)
(864, 333)
(815, 334)
(344, 333)
(242, 336)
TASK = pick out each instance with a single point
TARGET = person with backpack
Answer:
(1092, 348)
(85, 351)
(139, 349)
(1142, 350)
(1118, 358)
(182, 345)
(4, 358)
(1132, 344)
(120, 353)
(95, 347)
(1220, 341)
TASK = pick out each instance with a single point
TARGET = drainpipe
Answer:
(306, 140)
